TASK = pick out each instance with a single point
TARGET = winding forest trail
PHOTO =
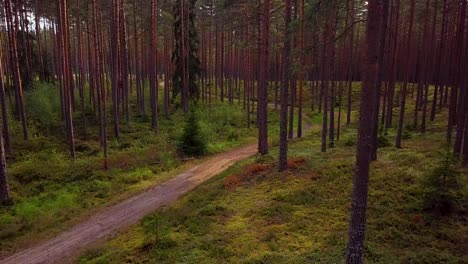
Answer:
(66, 245)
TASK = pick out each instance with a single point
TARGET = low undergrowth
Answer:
(51, 192)
(254, 214)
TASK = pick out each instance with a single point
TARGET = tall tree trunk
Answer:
(456, 73)
(154, 64)
(263, 89)
(406, 77)
(382, 40)
(422, 63)
(293, 80)
(16, 67)
(6, 126)
(332, 79)
(166, 72)
(66, 76)
(124, 63)
(4, 186)
(283, 145)
(393, 69)
(81, 71)
(350, 65)
(461, 75)
(438, 63)
(429, 72)
(39, 42)
(100, 90)
(116, 81)
(357, 227)
(301, 74)
(324, 84)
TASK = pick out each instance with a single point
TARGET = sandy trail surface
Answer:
(108, 221)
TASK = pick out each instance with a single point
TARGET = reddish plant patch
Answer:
(231, 181)
(295, 163)
(121, 160)
(247, 173)
(418, 220)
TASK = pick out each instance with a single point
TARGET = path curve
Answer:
(108, 221)
(66, 245)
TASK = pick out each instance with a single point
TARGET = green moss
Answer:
(302, 216)
(50, 191)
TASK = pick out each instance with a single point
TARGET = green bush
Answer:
(442, 189)
(406, 134)
(192, 143)
(350, 141)
(383, 142)
(33, 168)
(43, 106)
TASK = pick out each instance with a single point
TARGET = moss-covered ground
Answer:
(254, 214)
(50, 191)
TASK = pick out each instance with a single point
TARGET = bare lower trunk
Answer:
(357, 227)
(263, 88)
(283, 152)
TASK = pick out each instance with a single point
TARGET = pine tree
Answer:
(286, 69)
(187, 65)
(192, 142)
(357, 227)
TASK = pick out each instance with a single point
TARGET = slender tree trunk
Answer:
(454, 112)
(115, 60)
(438, 63)
(332, 79)
(382, 40)
(283, 152)
(4, 186)
(350, 65)
(82, 77)
(39, 43)
(324, 84)
(429, 72)
(357, 227)
(293, 80)
(406, 77)
(263, 89)
(393, 69)
(66, 76)
(6, 127)
(166, 73)
(422, 61)
(16, 67)
(154, 64)
(124, 63)
(301, 74)
(461, 75)
(101, 92)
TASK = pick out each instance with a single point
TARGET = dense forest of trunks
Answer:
(290, 54)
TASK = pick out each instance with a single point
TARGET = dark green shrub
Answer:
(43, 106)
(350, 141)
(383, 142)
(442, 189)
(407, 134)
(192, 143)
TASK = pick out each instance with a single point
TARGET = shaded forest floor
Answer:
(51, 192)
(253, 214)
(106, 222)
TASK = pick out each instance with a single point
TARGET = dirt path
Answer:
(61, 248)
(65, 246)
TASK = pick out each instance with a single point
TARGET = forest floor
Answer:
(50, 199)
(129, 211)
(251, 213)
(67, 245)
